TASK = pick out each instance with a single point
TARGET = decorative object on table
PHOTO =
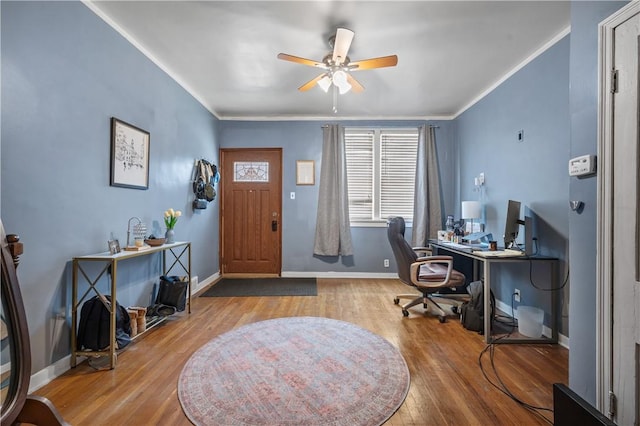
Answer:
(321, 371)
(205, 177)
(114, 246)
(170, 219)
(129, 155)
(139, 230)
(155, 242)
(471, 210)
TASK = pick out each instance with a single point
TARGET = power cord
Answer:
(535, 253)
(500, 385)
(564, 282)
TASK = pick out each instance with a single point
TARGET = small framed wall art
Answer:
(305, 172)
(129, 155)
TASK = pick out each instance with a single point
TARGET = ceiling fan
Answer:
(338, 67)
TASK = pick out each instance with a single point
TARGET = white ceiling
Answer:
(450, 53)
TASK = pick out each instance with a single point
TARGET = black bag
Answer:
(172, 292)
(472, 312)
(93, 329)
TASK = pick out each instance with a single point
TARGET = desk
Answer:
(486, 262)
(110, 263)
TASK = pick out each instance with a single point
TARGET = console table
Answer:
(175, 255)
(484, 261)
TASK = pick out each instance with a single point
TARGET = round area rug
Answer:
(294, 371)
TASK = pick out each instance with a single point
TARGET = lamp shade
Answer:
(471, 210)
(324, 83)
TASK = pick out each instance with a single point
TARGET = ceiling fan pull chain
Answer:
(335, 99)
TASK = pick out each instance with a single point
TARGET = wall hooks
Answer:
(576, 206)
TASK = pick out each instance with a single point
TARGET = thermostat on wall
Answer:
(582, 166)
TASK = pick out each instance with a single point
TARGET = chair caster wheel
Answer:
(442, 319)
(454, 309)
(396, 301)
(405, 312)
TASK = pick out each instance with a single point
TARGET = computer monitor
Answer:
(512, 224)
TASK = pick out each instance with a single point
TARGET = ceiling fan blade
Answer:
(341, 45)
(355, 84)
(300, 60)
(367, 64)
(308, 85)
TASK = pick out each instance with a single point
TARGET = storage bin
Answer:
(530, 321)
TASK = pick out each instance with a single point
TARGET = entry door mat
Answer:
(307, 371)
(244, 287)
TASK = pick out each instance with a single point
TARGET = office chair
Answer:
(427, 274)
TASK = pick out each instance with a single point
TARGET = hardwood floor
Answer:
(447, 384)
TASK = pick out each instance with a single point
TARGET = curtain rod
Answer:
(430, 125)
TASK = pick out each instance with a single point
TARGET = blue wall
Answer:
(64, 74)
(585, 17)
(302, 140)
(534, 171)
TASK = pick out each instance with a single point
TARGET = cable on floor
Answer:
(500, 385)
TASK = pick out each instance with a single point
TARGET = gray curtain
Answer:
(427, 214)
(333, 230)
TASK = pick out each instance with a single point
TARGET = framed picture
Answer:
(114, 246)
(129, 155)
(305, 172)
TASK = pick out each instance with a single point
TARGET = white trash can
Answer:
(530, 321)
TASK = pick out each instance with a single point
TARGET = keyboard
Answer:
(499, 253)
(456, 246)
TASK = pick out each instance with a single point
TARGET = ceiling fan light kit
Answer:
(338, 66)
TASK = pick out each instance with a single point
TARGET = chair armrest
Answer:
(422, 251)
(440, 260)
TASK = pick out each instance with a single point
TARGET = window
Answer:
(381, 167)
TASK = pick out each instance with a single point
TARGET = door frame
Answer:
(222, 213)
(604, 256)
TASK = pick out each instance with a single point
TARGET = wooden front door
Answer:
(251, 206)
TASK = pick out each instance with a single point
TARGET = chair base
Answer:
(430, 304)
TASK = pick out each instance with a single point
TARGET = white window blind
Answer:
(381, 167)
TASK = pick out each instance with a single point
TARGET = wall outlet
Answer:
(516, 295)
(194, 283)
(386, 263)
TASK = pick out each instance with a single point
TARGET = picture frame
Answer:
(305, 172)
(129, 155)
(114, 246)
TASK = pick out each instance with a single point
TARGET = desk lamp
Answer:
(471, 210)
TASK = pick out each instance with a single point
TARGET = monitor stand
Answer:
(528, 235)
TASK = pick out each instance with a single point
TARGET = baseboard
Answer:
(49, 373)
(198, 287)
(331, 274)
(546, 331)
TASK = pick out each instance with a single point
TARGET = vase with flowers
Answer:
(170, 219)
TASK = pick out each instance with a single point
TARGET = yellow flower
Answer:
(171, 218)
